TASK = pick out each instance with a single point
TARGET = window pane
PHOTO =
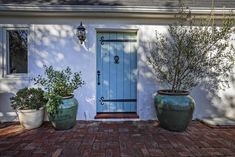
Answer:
(18, 51)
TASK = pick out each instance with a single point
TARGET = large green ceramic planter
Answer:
(66, 116)
(174, 110)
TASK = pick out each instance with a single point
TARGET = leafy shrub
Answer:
(58, 84)
(28, 99)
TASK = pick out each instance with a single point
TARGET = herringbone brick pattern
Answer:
(114, 139)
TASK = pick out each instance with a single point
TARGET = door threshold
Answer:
(116, 115)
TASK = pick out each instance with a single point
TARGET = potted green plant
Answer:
(193, 53)
(59, 86)
(29, 105)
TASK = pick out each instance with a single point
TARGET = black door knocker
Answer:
(116, 59)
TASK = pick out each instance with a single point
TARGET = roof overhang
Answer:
(106, 11)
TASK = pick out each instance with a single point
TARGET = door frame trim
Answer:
(123, 30)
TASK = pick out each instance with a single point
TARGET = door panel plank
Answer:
(113, 73)
(127, 70)
(98, 65)
(120, 68)
(105, 48)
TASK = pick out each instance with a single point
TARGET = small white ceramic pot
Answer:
(31, 119)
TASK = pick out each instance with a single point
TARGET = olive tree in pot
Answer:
(29, 105)
(192, 53)
(59, 86)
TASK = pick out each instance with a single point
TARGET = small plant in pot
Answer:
(60, 85)
(193, 53)
(29, 105)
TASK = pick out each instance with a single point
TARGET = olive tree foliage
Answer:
(193, 53)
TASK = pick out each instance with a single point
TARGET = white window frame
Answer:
(5, 70)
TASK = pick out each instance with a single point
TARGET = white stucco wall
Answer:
(53, 42)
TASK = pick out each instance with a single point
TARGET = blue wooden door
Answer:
(116, 72)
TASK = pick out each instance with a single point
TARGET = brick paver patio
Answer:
(114, 139)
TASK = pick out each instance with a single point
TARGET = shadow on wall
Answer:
(57, 45)
(146, 85)
(6, 112)
(206, 105)
(226, 101)
(8, 88)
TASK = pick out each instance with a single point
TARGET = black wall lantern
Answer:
(81, 33)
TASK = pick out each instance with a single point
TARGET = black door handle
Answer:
(98, 74)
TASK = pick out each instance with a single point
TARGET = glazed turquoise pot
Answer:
(66, 116)
(174, 110)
